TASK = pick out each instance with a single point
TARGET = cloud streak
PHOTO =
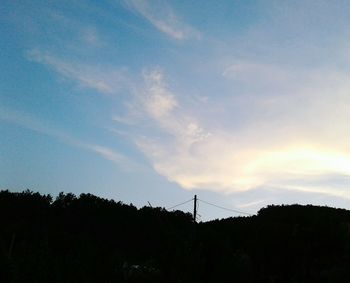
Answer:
(101, 79)
(163, 18)
(31, 123)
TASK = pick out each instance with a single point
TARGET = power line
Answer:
(225, 208)
(212, 204)
(180, 204)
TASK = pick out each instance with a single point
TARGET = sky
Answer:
(244, 103)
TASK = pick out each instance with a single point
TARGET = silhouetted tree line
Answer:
(91, 239)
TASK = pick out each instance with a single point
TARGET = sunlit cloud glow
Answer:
(292, 140)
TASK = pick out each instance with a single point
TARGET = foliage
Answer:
(90, 239)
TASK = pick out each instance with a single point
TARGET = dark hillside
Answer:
(90, 239)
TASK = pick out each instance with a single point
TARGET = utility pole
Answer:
(195, 208)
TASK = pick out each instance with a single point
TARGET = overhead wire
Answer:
(225, 208)
(212, 204)
(172, 207)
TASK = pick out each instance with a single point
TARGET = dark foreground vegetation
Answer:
(90, 239)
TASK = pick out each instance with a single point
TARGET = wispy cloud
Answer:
(158, 101)
(294, 136)
(161, 105)
(102, 79)
(261, 74)
(295, 127)
(81, 34)
(162, 17)
(116, 157)
(91, 37)
(31, 123)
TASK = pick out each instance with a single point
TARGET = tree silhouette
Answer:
(90, 239)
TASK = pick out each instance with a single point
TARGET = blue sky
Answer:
(244, 103)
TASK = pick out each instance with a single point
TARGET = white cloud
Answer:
(300, 135)
(161, 16)
(116, 157)
(158, 100)
(295, 127)
(102, 79)
(160, 104)
(91, 37)
(247, 72)
(256, 203)
(31, 123)
(77, 34)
